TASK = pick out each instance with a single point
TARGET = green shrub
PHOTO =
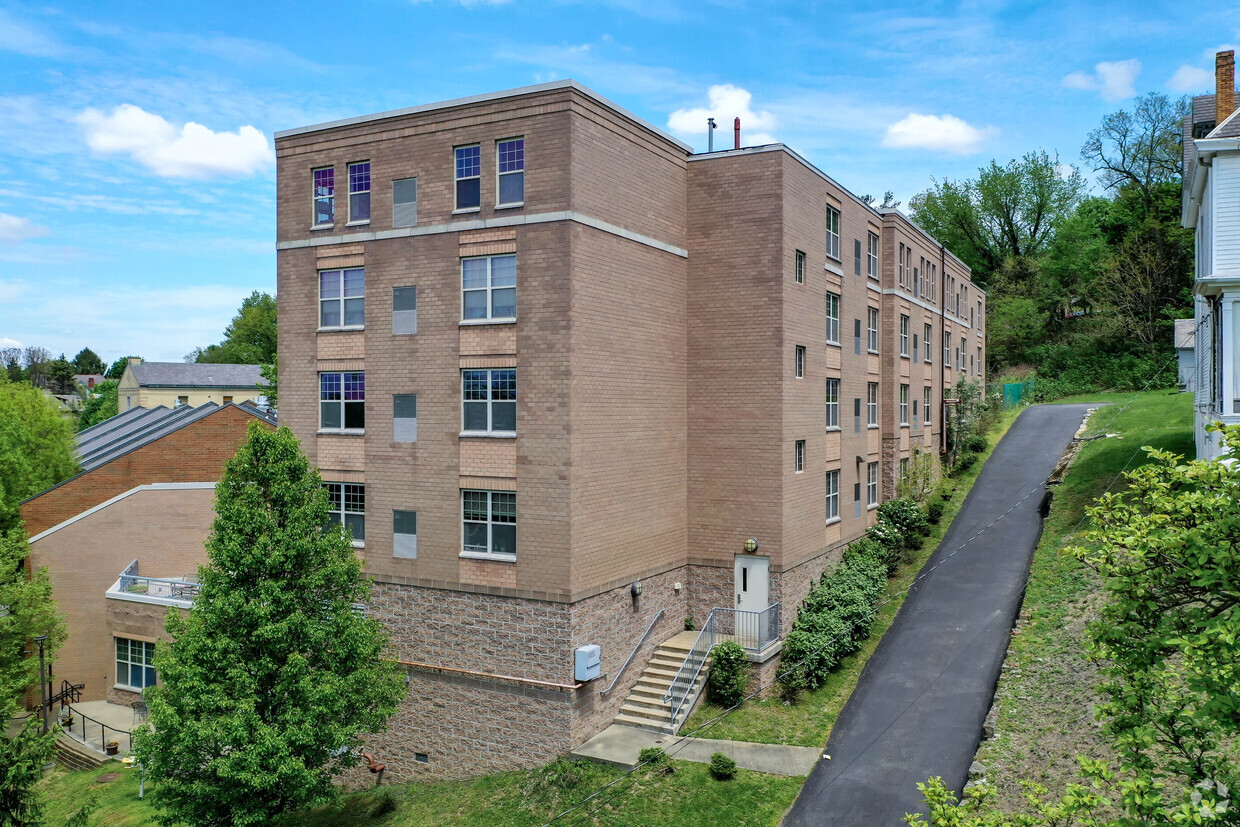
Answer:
(906, 516)
(891, 539)
(965, 462)
(653, 757)
(721, 766)
(934, 512)
(791, 683)
(976, 444)
(690, 624)
(729, 674)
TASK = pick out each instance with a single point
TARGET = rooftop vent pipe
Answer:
(710, 134)
(736, 129)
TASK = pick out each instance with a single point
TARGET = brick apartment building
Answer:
(556, 369)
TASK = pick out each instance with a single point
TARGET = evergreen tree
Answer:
(88, 362)
(273, 677)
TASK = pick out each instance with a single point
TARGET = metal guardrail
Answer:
(80, 728)
(640, 641)
(688, 673)
(160, 587)
(753, 630)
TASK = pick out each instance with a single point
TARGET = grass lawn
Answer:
(686, 797)
(809, 721)
(1046, 693)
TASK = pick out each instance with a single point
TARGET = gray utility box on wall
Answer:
(589, 662)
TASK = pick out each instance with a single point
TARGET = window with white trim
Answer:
(833, 319)
(871, 329)
(405, 534)
(342, 297)
(800, 268)
(833, 233)
(833, 496)
(135, 664)
(900, 265)
(833, 404)
(511, 170)
(979, 361)
(799, 459)
(925, 404)
(468, 177)
(872, 257)
(903, 404)
(489, 288)
(928, 334)
(947, 349)
(800, 361)
(871, 484)
(324, 196)
(489, 523)
(871, 404)
(903, 335)
(489, 400)
(405, 202)
(346, 506)
(359, 192)
(342, 401)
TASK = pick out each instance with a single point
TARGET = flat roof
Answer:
(551, 86)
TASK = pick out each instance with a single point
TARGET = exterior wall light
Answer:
(636, 589)
(751, 545)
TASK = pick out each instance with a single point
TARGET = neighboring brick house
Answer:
(152, 384)
(140, 508)
(542, 354)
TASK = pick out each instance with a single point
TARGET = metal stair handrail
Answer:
(688, 673)
(640, 641)
(103, 731)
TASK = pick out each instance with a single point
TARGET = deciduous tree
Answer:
(104, 404)
(1140, 148)
(250, 339)
(36, 447)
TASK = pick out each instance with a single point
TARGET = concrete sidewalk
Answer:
(620, 745)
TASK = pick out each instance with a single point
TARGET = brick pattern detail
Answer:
(335, 347)
(484, 340)
(486, 457)
(489, 573)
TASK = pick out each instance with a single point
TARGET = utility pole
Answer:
(42, 683)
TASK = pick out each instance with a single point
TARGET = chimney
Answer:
(736, 129)
(135, 360)
(1224, 85)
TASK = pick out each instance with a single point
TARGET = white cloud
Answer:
(6, 342)
(726, 102)
(1113, 81)
(194, 151)
(18, 37)
(941, 133)
(1191, 79)
(15, 229)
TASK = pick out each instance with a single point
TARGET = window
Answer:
(904, 404)
(800, 456)
(489, 522)
(135, 663)
(324, 196)
(871, 484)
(182, 400)
(900, 265)
(925, 405)
(489, 288)
(917, 277)
(833, 319)
(405, 202)
(871, 267)
(947, 349)
(916, 347)
(979, 361)
(468, 177)
(405, 534)
(490, 401)
(904, 469)
(857, 256)
(903, 335)
(511, 172)
(856, 335)
(961, 351)
(227, 399)
(800, 268)
(404, 310)
(856, 415)
(405, 417)
(359, 192)
(871, 405)
(342, 401)
(970, 363)
(833, 496)
(833, 233)
(980, 317)
(346, 506)
(871, 329)
(928, 331)
(857, 499)
(833, 404)
(342, 297)
(800, 362)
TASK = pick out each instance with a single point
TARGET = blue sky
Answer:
(137, 178)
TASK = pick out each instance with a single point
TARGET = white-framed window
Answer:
(927, 332)
(871, 266)
(342, 297)
(960, 352)
(971, 370)
(489, 523)
(980, 316)
(135, 664)
(800, 361)
(405, 417)
(871, 404)
(925, 405)
(903, 404)
(871, 329)
(800, 267)
(833, 233)
(800, 456)
(324, 196)
(833, 319)
(342, 401)
(871, 484)
(833, 404)
(468, 177)
(903, 469)
(903, 335)
(979, 361)
(405, 534)
(947, 349)
(510, 155)
(900, 265)
(917, 271)
(833, 496)
(359, 192)
(489, 288)
(346, 506)
(405, 202)
(489, 401)
(404, 311)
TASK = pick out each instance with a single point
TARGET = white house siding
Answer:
(1225, 183)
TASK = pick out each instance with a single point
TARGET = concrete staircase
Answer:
(644, 707)
(74, 755)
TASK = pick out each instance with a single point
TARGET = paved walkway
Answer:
(918, 708)
(620, 745)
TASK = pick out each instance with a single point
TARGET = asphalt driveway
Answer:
(918, 708)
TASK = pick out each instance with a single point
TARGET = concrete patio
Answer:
(96, 723)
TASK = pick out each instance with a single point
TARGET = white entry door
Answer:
(753, 582)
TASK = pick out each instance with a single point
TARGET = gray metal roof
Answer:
(1185, 334)
(196, 375)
